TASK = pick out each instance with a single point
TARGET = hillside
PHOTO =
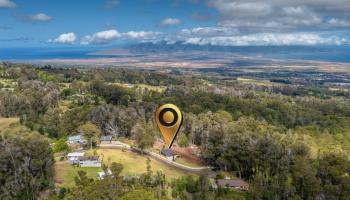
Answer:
(280, 138)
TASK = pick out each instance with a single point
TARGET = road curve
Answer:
(120, 145)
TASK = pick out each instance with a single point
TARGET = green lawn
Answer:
(65, 173)
(187, 163)
(135, 164)
(132, 162)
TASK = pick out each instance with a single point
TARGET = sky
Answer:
(91, 23)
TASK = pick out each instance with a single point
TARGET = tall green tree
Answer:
(25, 165)
(90, 132)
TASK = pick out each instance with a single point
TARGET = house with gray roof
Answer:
(89, 161)
(76, 139)
(237, 183)
(106, 138)
(168, 153)
(73, 157)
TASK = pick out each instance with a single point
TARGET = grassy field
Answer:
(6, 122)
(65, 173)
(187, 163)
(64, 105)
(142, 86)
(10, 125)
(8, 82)
(136, 164)
(132, 162)
(255, 82)
(151, 88)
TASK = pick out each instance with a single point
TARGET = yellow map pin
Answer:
(169, 120)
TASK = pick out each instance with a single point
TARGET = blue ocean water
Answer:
(317, 53)
(10, 54)
(322, 53)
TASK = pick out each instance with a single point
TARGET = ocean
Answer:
(316, 53)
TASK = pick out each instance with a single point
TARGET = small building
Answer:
(168, 153)
(89, 161)
(237, 184)
(73, 157)
(101, 175)
(212, 174)
(106, 139)
(76, 139)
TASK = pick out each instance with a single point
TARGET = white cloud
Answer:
(338, 22)
(105, 37)
(170, 22)
(235, 8)
(265, 39)
(141, 35)
(102, 37)
(65, 38)
(208, 31)
(7, 4)
(254, 16)
(300, 15)
(295, 11)
(40, 17)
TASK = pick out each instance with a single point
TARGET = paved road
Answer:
(120, 145)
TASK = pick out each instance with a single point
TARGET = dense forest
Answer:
(285, 143)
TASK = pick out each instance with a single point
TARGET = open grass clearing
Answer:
(254, 81)
(186, 162)
(133, 164)
(64, 173)
(6, 122)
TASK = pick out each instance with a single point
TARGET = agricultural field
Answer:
(254, 81)
(141, 86)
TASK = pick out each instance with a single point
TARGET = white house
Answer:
(89, 161)
(76, 139)
(74, 157)
(101, 175)
(237, 183)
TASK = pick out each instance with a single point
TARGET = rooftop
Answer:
(106, 138)
(167, 152)
(86, 158)
(76, 154)
(232, 183)
(75, 137)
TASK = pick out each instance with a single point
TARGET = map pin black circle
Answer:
(161, 119)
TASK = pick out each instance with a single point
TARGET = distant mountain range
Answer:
(180, 46)
(321, 53)
(316, 53)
